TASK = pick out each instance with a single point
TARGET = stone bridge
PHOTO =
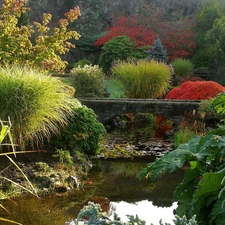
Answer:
(106, 108)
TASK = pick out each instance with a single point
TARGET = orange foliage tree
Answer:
(36, 44)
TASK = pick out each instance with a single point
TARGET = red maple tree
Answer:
(142, 35)
(178, 40)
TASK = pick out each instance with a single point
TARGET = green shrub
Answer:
(88, 81)
(83, 133)
(202, 191)
(143, 79)
(36, 103)
(120, 47)
(182, 67)
(64, 157)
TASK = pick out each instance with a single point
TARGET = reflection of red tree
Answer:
(102, 201)
(161, 126)
(199, 90)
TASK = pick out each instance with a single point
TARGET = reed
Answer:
(5, 132)
(143, 79)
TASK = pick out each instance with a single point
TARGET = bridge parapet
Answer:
(106, 108)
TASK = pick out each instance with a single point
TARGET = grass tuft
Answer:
(37, 104)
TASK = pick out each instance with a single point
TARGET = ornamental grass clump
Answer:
(88, 81)
(143, 79)
(37, 104)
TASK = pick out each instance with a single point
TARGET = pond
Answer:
(113, 183)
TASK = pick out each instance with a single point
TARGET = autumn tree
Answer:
(36, 44)
(137, 32)
(177, 39)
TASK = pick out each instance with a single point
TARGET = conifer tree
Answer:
(157, 52)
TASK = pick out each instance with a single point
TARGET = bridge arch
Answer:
(107, 108)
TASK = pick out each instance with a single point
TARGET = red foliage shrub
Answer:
(130, 27)
(198, 90)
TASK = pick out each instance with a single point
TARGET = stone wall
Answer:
(107, 108)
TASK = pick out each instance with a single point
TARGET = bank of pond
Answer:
(112, 183)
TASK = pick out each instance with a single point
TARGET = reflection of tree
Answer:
(121, 182)
(102, 201)
(124, 167)
(162, 195)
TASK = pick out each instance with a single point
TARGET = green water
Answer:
(117, 181)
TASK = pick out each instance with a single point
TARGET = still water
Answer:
(115, 184)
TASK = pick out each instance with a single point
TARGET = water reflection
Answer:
(110, 181)
(146, 211)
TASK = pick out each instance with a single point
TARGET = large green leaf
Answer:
(169, 165)
(210, 183)
(191, 151)
(191, 174)
(219, 103)
(219, 131)
(185, 203)
(218, 212)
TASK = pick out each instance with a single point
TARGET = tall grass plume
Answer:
(37, 104)
(143, 79)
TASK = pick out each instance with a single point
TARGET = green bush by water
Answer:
(88, 81)
(83, 133)
(143, 79)
(37, 104)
